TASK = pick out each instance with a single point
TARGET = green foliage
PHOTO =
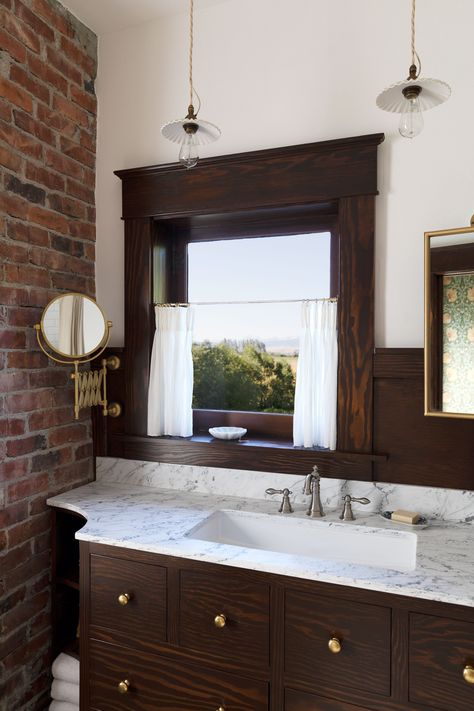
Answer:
(241, 376)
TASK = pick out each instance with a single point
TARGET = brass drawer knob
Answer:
(335, 645)
(220, 621)
(123, 686)
(468, 674)
(124, 599)
(221, 708)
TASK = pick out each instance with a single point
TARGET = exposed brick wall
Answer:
(47, 233)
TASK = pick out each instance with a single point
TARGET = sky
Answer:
(290, 267)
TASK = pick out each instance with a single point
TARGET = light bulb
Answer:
(411, 120)
(188, 155)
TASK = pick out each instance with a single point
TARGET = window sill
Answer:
(249, 454)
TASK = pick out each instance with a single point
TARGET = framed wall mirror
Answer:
(449, 322)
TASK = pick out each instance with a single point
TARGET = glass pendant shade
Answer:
(190, 131)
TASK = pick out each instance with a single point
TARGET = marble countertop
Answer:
(157, 520)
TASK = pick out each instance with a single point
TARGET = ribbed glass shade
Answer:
(433, 92)
(206, 132)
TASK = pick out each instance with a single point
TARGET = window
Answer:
(247, 317)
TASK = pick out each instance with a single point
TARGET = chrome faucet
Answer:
(312, 487)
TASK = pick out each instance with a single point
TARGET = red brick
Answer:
(36, 24)
(15, 49)
(12, 205)
(24, 317)
(28, 276)
(14, 469)
(84, 99)
(62, 65)
(63, 164)
(9, 159)
(88, 140)
(60, 123)
(18, 29)
(45, 462)
(67, 206)
(70, 282)
(25, 445)
(28, 233)
(10, 561)
(89, 178)
(38, 505)
(27, 360)
(36, 128)
(44, 71)
(12, 339)
(10, 427)
(5, 111)
(63, 435)
(19, 76)
(78, 56)
(15, 94)
(80, 191)
(24, 611)
(12, 381)
(28, 529)
(73, 150)
(83, 230)
(21, 141)
(71, 110)
(53, 16)
(28, 401)
(51, 378)
(89, 252)
(27, 487)
(44, 177)
(13, 252)
(48, 219)
(73, 473)
(11, 296)
(50, 418)
(12, 514)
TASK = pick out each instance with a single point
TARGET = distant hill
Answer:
(282, 346)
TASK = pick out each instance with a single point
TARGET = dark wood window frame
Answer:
(333, 180)
(170, 276)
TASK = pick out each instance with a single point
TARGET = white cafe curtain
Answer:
(170, 390)
(315, 414)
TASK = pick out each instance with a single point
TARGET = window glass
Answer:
(245, 354)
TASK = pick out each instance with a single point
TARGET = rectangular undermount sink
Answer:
(324, 540)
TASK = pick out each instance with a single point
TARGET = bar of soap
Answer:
(403, 516)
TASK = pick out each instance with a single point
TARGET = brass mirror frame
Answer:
(90, 387)
(428, 358)
(103, 341)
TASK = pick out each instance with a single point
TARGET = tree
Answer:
(241, 376)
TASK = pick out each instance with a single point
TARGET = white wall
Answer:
(281, 72)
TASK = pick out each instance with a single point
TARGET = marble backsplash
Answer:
(444, 504)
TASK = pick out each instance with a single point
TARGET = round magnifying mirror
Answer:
(73, 325)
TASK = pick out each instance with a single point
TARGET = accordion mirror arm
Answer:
(90, 386)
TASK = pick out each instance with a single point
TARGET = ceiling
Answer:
(103, 16)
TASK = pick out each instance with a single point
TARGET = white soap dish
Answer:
(227, 432)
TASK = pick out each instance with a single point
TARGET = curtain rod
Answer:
(232, 303)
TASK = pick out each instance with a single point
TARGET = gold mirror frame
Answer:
(104, 340)
(429, 358)
(90, 387)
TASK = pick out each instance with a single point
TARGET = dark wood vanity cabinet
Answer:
(179, 635)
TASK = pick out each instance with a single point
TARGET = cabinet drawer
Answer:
(363, 631)
(299, 701)
(144, 615)
(160, 683)
(440, 649)
(243, 606)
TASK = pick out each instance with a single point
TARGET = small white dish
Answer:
(227, 432)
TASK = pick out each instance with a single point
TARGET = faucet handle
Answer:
(285, 506)
(347, 514)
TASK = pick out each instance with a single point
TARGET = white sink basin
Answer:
(324, 540)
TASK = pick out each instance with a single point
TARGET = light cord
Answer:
(191, 44)
(413, 50)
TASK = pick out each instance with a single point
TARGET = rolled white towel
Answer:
(66, 668)
(65, 691)
(62, 706)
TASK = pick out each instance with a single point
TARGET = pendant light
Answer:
(190, 132)
(414, 95)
